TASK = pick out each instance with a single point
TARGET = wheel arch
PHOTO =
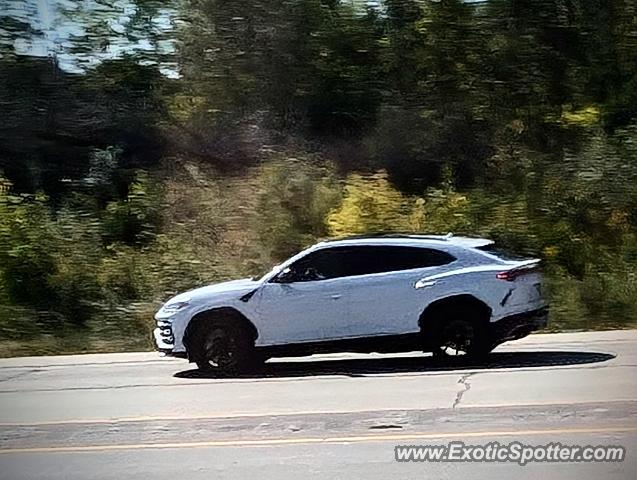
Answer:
(465, 300)
(217, 314)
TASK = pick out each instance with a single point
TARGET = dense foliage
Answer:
(199, 140)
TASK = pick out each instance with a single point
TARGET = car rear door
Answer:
(382, 296)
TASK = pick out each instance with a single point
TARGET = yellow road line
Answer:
(317, 440)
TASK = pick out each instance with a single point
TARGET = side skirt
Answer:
(379, 344)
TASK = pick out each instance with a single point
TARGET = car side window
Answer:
(380, 259)
(320, 265)
(364, 260)
(428, 257)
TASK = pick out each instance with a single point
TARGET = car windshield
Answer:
(263, 273)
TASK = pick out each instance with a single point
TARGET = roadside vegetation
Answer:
(244, 131)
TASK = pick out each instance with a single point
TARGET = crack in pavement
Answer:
(464, 380)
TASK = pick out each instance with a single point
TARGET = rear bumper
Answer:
(519, 325)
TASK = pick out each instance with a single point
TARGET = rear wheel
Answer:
(458, 333)
(224, 349)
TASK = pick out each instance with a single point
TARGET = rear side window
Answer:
(369, 260)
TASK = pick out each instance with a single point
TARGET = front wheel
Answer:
(225, 349)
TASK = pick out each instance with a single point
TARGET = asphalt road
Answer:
(335, 416)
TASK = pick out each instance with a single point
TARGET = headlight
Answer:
(175, 307)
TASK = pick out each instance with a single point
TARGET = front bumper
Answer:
(164, 337)
(160, 343)
(519, 325)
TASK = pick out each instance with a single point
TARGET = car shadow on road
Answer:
(417, 364)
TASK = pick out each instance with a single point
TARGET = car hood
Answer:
(234, 287)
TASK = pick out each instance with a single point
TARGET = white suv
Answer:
(443, 294)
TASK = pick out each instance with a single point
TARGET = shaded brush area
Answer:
(148, 147)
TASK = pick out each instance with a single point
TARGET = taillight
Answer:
(511, 275)
(508, 276)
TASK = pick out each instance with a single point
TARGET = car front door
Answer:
(304, 301)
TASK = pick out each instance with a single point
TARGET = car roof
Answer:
(412, 240)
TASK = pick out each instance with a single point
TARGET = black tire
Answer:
(224, 349)
(459, 333)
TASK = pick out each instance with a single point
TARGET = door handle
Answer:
(424, 284)
(336, 296)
